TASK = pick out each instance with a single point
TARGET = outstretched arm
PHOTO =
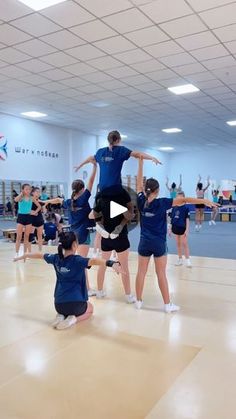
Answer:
(18, 198)
(29, 256)
(167, 183)
(180, 183)
(92, 177)
(52, 201)
(185, 200)
(144, 156)
(116, 266)
(90, 159)
(208, 184)
(140, 176)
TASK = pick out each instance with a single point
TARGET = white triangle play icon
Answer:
(116, 209)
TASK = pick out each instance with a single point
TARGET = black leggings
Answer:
(72, 308)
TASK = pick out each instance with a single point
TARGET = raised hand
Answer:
(156, 161)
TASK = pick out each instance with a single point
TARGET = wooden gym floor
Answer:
(122, 363)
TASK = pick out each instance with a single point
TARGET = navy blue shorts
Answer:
(148, 248)
(73, 308)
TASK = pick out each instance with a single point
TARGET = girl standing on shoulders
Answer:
(200, 191)
(70, 295)
(153, 235)
(24, 218)
(173, 189)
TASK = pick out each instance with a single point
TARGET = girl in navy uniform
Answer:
(180, 228)
(153, 235)
(70, 295)
(78, 211)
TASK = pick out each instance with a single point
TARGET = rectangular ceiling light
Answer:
(231, 123)
(182, 90)
(40, 4)
(166, 148)
(171, 130)
(34, 114)
(123, 136)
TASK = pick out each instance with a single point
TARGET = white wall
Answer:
(29, 135)
(219, 164)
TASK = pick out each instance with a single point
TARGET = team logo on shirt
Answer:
(107, 159)
(3, 148)
(177, 214)
(148, 214)
(64, 270)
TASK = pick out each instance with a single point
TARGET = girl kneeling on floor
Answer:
(70, 295)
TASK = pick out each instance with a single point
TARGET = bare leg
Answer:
(97, 242)
(40, 237)
(123, 259)
(201, 215)
(184, 241)
(160, 266)
(27, 245)
(19, 232)
(142, 270)
(179, 245)
(88, 313)
(102, 270)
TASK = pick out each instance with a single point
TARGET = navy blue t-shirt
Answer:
(71, 279)
(110, 162)
(50, 230)
(78, 215)
(179, 216)
(153, 217)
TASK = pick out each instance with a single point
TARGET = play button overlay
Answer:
(116, 209)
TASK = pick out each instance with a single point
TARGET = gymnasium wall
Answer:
(219, 164)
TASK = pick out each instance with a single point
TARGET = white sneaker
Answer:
(138, 304)
(68, 322)
(196, 227)
(179, 262)
(200, 226)
(210, 223)
(49, 242)
(213, 222)
(169, 308)
(92, 292)
(100, 294)
(102, 232)
(58, 319)
(188, 263)
(130, 299)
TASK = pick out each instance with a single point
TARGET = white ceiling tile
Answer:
(93, 31)
(79, 69)
(227, 75)
(199, 40)
(231, 46)
(177, 59)
(104, 7)
(91, 88)
(53, 86)
(2, 45)
(63, 40)
(56, 74)
(177, 81)
(147, 36)
(135, 80)
(35, 25)
(209, 84)
(104, 63)
(120, 72)
(219, 62)
(131, 57)
(220, 16)
(164, 10)
(35, 79)
(14, 72)
(11, 35)
(149, 87)
(3, 64)
(34, 66)
(114, 45)
(164, 49)
(85, 52)
(12, 9)
(67, 14)
(148, 66)
(203, 76)
(59, 59)
(200, 5)
(208, 53)
(128, 21)
(113, 84)
(189, 69)
(227, 33)
(161, 75)
(97, 77)
(184, 26)
(35, 48)
(12, 56)
(74, 82)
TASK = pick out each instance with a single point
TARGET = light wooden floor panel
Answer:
(122, 363)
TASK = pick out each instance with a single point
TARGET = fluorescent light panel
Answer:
(231, 123)
(40, 4)
(34, 114)
(185, 88)
(166, 148)
(123, 136)
(171, 130)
